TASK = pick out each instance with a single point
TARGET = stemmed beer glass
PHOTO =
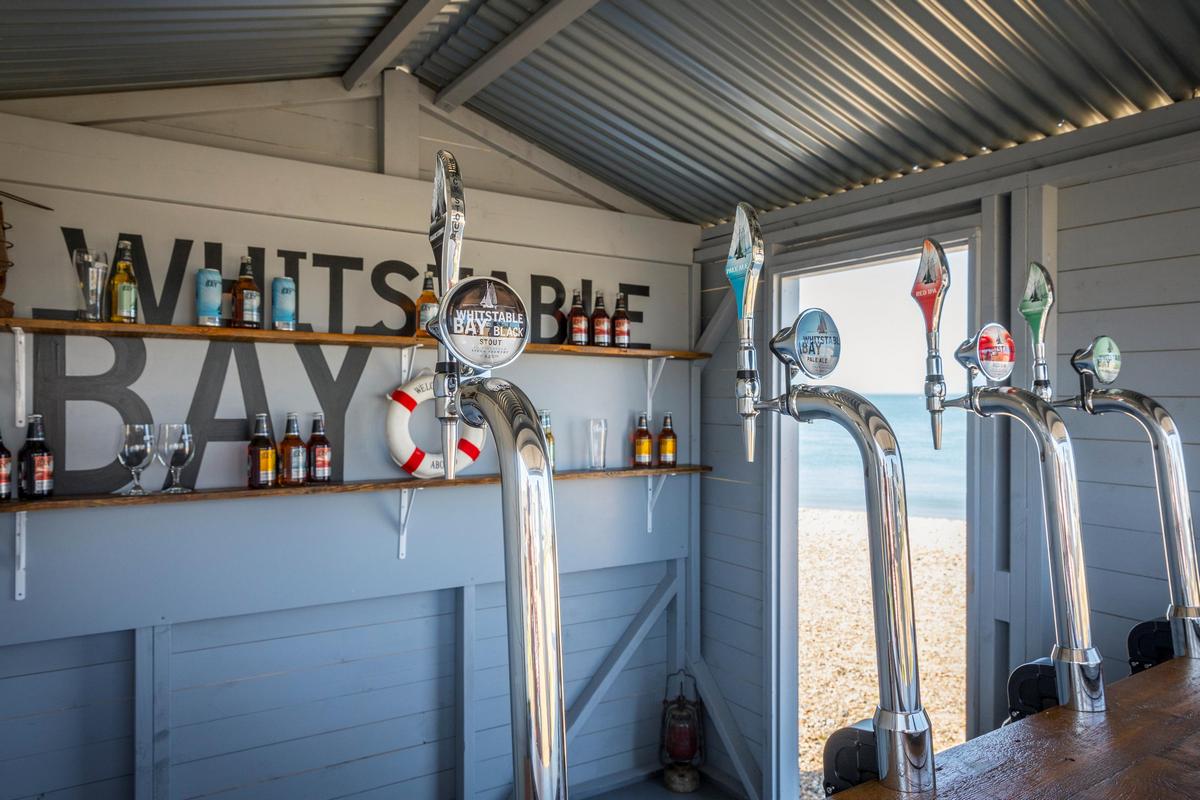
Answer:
(134, 452)
(175, 449)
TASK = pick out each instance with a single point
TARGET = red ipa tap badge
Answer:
(933, 279)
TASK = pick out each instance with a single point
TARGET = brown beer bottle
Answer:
(35, 462)
(293, 454)
(427, 306)
(601, 324)
(260, 455)
(6, 487)
(643, 444)
(578, 320)
(247, 299)
(620, 323)
(122, 286)
(668, 444)
(320, 452)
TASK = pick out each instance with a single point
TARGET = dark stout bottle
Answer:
(578, 320)
(620, 323)
(668, 444)
(293, 454)
(320, 452)
(6, 487)
(643, 444)
(36, 462)
(601, 324)
(260, 455)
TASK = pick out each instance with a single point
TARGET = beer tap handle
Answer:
(1036, 302)
(929, 289)
(447, 221)
(743, 268)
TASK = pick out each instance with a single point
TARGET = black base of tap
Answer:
(850, 757)
(1031, 689)
(1150, 644)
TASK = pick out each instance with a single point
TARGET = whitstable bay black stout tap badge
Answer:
(484, 323)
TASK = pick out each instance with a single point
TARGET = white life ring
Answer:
(404, 450)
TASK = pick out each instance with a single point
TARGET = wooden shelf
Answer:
(196, 332)
(109, 500)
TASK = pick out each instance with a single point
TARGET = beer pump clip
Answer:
(743, 268)
(811, 345)
(929, 289)
(1036, 301)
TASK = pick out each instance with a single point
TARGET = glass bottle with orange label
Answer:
(261, 456)
(293, 454)
(620, 323)
(320, 452)
(601, 324)
(668, 444)
(427, 306)
(578, 321)
(643, 444)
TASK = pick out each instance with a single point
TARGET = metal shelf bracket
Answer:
(407, 357)
(654, 371)
(407, 498)
(654, 487)
(19, 359)
(20, 542)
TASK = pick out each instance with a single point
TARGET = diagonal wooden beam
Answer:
(727, 729)
(400, 31)
(533, 33)
(621, 652)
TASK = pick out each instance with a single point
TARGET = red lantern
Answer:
(682, 724)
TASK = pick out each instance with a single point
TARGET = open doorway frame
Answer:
(988, 646)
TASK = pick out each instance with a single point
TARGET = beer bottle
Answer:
(260, 455)
(6, 487)
(247, 299)
(668, 445)
(320, 452)
(122, 286)
(35, 462)
(544, 418)
(293, 454)
(427, 305)
(643, 444)
(578, 320)
(620, 323)
(601, 324)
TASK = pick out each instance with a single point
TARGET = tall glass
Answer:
(175, 449)
(597, 442)
(135, 450)
(91, 267)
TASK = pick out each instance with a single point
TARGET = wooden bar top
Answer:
(1147, 745)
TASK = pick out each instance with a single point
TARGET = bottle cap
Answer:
(260, 416)
(428, 273)
(35, 417)
(124, 243)
(318, 415)
(247, 260)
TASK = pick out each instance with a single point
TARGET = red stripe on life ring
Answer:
(405, 399)
(471, 451)
(414, 460)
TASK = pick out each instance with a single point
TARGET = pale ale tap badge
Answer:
(320, 452)
(122, 286)
(482, 322)
(811, 345)
(35, 462)
(577, 319)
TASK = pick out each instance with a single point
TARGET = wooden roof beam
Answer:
(403, 28)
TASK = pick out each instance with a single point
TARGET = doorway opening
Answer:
(882, 358)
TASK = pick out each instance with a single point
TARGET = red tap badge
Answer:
(933, 279)
(997, 353)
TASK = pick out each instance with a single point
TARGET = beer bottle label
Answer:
(266, 465)
(642, 448)
(251, 306)
(666, 452)
(322, 466)
(428, 312)
(43, 472)
(579, 329)
(127, 301)
(5, 477)
(602, 332)
(621, 332)
(295, 463)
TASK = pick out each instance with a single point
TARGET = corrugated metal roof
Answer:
(694, 106)
(70, 46)
(688, 106)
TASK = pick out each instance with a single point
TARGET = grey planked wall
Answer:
(1129, 266)
(731, 536)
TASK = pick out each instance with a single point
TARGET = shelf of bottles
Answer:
(107, 500)
(224, 334)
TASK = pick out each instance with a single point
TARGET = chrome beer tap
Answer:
(900, 735)
(481, 324)
(447, 220)
(1074, 660)
(1100, 362)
